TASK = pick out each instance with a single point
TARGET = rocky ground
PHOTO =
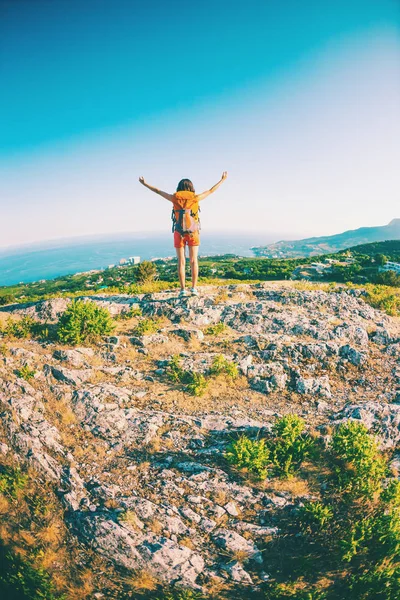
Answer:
(139, 463)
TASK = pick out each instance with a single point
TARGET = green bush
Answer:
(221, 365)
(174, 370)
(7, 299)
(215, 329)
(84, 321)
(145, 272)
(147, 327)
(19, 580)
(245, 453)
(22, 329)
(376, 583)
(290, 446)
(26, 373)
(11, 480)
(195, 383)
(314, 517)
(359, 467)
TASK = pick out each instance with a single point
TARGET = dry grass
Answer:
(142, 581)
(155, 526)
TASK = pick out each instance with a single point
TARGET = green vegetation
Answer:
(358, 465)
(147, 327)
(26, 373)
(283, 453)
(356, 265)
(145, 272)
(11, 480)
(134, 311)
(21, 329)
(245, 453)
(84, 322)
(223, 366)
(290, 446)
(20, 580)
(195, 383)
(385, 298)
(215, 329)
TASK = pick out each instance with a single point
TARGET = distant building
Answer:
(110, 266)
(134, 260)
(391, 266)
(123, 261)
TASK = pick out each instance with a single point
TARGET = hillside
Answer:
(331, 243)
(127, 440)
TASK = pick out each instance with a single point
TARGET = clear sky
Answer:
(298, 101)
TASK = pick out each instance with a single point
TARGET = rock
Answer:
(72, 377)
(318, 385)
(237, 573)
(355, 357)
(231, 509)
(233, 542)
(189, 334)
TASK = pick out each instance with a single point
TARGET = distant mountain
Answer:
(330, 243)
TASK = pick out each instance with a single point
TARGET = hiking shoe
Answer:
(182, 293)
(194, 291)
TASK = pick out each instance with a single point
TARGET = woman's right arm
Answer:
(156, 190)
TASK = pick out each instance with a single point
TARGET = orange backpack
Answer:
(185, 213)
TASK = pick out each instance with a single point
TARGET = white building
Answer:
(391, 266)
(134, 260)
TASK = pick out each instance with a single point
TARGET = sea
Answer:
(53, 259)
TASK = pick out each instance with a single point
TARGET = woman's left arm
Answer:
(156, 190)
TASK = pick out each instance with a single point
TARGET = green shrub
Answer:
(221, 365)
(21, 329)
(314, 517)
(174, 370)
(7, 299)
(146, 327)
(245, 453)
(11, 480)
(358, 465)
(145, 272)
(195, 383)
(26, 373)
(384, 297)
(20, 580)
(84, 321)
(215, 329)
(290, 446)
(376, 583)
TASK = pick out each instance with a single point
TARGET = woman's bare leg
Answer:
(180, 253)
(194, 264)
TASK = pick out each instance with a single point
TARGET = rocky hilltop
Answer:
(138, 462)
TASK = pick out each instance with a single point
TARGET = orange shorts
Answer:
(190, 239)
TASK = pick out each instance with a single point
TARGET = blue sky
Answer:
(299, 101)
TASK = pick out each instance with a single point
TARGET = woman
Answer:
(186, 225)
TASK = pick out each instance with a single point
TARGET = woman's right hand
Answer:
(142, 181)
(224, 175)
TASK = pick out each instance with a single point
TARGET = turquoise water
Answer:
(50, 260)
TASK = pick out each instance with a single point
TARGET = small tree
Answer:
(84, 321)
(146, 271)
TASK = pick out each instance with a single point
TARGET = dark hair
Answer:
(185, 185)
